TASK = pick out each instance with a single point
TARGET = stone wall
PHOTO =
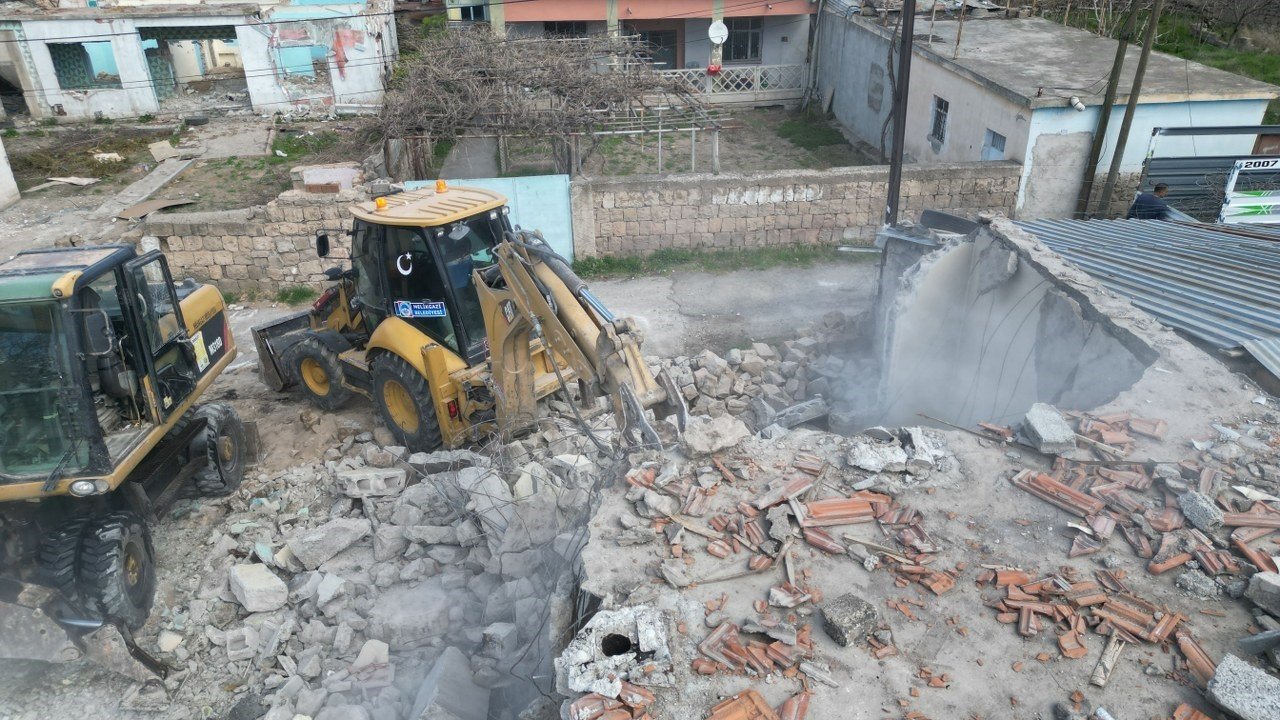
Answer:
(261, 249)
(638, 215)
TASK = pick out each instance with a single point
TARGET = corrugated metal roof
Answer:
(1266, 352)
(1209, 281)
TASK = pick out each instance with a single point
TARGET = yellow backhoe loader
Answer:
(456, 324)
(102, 359)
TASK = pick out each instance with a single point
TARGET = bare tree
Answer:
(469, 81)
(1227, 17)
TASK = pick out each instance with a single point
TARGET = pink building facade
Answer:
(760, 33)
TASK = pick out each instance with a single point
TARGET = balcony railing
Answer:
(746, 83)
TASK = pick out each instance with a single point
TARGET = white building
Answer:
(1007, 94)
(124, 59)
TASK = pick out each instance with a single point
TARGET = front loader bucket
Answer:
(271, 341)
(36, 624)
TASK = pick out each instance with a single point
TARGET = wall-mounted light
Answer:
(1075, 103)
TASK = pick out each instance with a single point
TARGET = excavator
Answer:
(103, 359)
(455, 323)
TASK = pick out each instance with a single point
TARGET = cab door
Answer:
(167, 354)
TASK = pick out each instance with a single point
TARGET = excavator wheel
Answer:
(225, 445)
(405, 403)
(318, 373)
(117, 571)
(58, 557)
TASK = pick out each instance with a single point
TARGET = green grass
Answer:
(230, 296)
(672, 259)
(146, 118)
(297, 146)
(10, 133)
(295, 295)
(1177, 39)
(810, 132)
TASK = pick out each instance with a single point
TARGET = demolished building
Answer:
(89, 60)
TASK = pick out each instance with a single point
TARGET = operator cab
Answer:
(414, 255)
(88, 337)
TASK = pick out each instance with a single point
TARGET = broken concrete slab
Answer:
(319, 544)
(1244, 690)
(1048, 431)
(410, 616)
(257, 588)
(372, 482)
(877, 457)
(616, 645)
(1201, 511)
(449, 691)
(1264, 591)
(707, 436)
(848, 619)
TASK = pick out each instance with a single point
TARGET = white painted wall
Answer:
(697, 47)
(8, 187)
(134, 97)
(974, 109)
(358, 86)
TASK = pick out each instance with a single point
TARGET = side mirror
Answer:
(95, 327)
(333, 273)
(322, 243)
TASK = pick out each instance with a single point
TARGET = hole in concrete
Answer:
(615, 644)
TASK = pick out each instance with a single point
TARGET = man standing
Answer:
(1150, 206)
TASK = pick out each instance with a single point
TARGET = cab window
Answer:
(415, 291)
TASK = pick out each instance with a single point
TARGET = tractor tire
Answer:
(404, 401)
(318, 372)
(59, 556)
(117, 571)
(225, 445)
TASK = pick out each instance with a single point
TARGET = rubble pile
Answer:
(384, 585)
(769, 388)
(1210, 518)
(744, 511)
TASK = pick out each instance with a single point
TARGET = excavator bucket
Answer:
(37, 624)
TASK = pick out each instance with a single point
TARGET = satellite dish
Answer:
(718, 32)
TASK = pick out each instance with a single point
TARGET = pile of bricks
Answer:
(1072, 605)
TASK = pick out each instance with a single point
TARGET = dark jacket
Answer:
(1148, 207)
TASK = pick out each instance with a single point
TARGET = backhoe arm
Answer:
(539, 297)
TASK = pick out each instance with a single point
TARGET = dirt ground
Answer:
(749, 142)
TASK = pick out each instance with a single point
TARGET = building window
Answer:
(474, 13)
(993, 146)
(875, 88)
(564, 29)
(745, 37)
(938, 133)
(84, 66)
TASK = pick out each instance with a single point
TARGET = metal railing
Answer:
(745, 83)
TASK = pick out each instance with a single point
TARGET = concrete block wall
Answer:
(640, 215)
(260, 249)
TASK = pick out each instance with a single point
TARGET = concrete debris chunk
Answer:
(1048, 431)
(707, 436)
(616, 645)
(450, 692)
(257, 588)
(1201, 511)
(372, 482)
(877, 457)
(316, 546)
(1264, 591)
(848, 619)
(1244, 691)
(801, 413)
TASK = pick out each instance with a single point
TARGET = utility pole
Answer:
(1117, 153)
(1104, 115)
(900, 111)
